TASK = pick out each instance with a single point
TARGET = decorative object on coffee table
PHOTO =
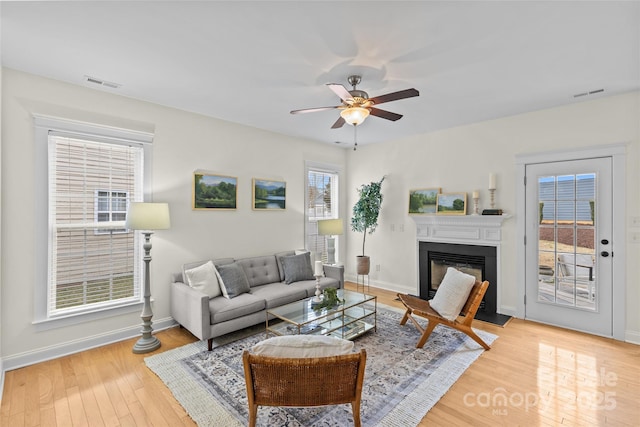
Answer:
(365, 218)
(318, 275)
(146, 217)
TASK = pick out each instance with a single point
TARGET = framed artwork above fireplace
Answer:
(452, 204)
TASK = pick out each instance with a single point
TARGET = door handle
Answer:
(604, 254)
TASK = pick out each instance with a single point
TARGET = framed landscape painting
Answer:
(452, 204)
(214, 191)
(269, 195)
(423, 201)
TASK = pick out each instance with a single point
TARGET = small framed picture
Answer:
(423, 200)
(211, 191)
(452, 204)
(269, 195)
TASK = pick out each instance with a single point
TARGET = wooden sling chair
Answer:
(419, 307)
(311, 381)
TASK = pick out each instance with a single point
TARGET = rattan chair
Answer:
(420, 307)
(318, 381)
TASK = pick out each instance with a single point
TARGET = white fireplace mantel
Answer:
(467, 229)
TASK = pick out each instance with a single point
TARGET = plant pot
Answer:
(363, 264)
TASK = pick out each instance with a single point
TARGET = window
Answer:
(322, 203)
(111, 206)
(93, 263)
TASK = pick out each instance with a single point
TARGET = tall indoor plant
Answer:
(365, 218)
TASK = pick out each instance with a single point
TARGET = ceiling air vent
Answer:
(100, 82)
(591, 92)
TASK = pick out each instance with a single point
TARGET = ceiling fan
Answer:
(356, 104)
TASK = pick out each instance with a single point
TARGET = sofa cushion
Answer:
(279, 257)
(260, 270)
(277, 294)
(223, 309)
(296, 346)
(204, 278)
(233, 281)
(452, 293)
(297, 267)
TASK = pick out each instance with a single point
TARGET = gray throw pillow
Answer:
(233, 281)
(297, 268)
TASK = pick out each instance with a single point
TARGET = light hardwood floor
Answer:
(533, 375)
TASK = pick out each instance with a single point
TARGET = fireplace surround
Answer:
(470, 243)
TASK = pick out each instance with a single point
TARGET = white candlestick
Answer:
(476, 195)
(318, 268)
(492, 181)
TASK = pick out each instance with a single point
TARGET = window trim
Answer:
(43, 126)
(329, 169)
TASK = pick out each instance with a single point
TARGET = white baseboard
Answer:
(70, 347)
(507, 310)
(385, 285)
(632, 337)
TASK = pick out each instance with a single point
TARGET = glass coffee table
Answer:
(357, 315)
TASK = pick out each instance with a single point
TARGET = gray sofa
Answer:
(267, 277)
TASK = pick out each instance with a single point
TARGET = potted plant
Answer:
(330, 299)
(365, 218)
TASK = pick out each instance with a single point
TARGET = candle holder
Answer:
(475, 206)
(492, 193)
(318, 297)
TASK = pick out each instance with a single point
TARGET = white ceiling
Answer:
(253, 62)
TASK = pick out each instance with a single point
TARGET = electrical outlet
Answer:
(402, 228)
(378, 267)
(635, 238)
(393, 227)
(635, 221)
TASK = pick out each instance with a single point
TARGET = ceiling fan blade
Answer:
(384, 114)
(313, 110)
(339, 123)
(340, 90)
(394, 96)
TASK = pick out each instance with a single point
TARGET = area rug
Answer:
(401, 384)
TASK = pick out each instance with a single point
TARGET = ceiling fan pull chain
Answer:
(355, 137)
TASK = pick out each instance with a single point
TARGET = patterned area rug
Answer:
(401, 383)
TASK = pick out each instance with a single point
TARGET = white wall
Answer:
(183, 143)
(460, 160)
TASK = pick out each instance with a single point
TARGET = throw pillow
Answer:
(303, 346)
(452, 293)
(297, 268)
(204, 279)
(233, 281)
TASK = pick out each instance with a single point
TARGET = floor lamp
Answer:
(146, 217)
(330, 228)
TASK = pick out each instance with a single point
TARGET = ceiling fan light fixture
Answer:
(354, 115)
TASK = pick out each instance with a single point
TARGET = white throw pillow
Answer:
(303, 346)
(204, 279)
(452, 293)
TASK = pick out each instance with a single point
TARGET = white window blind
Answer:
(93, 261)
(322, 203)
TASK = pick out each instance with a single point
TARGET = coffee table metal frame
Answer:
(357, 315)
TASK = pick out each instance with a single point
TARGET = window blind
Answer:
(322, 203)
(93, 260)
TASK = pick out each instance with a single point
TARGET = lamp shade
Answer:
(330, 227)
(148, 216)
(354, 115)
